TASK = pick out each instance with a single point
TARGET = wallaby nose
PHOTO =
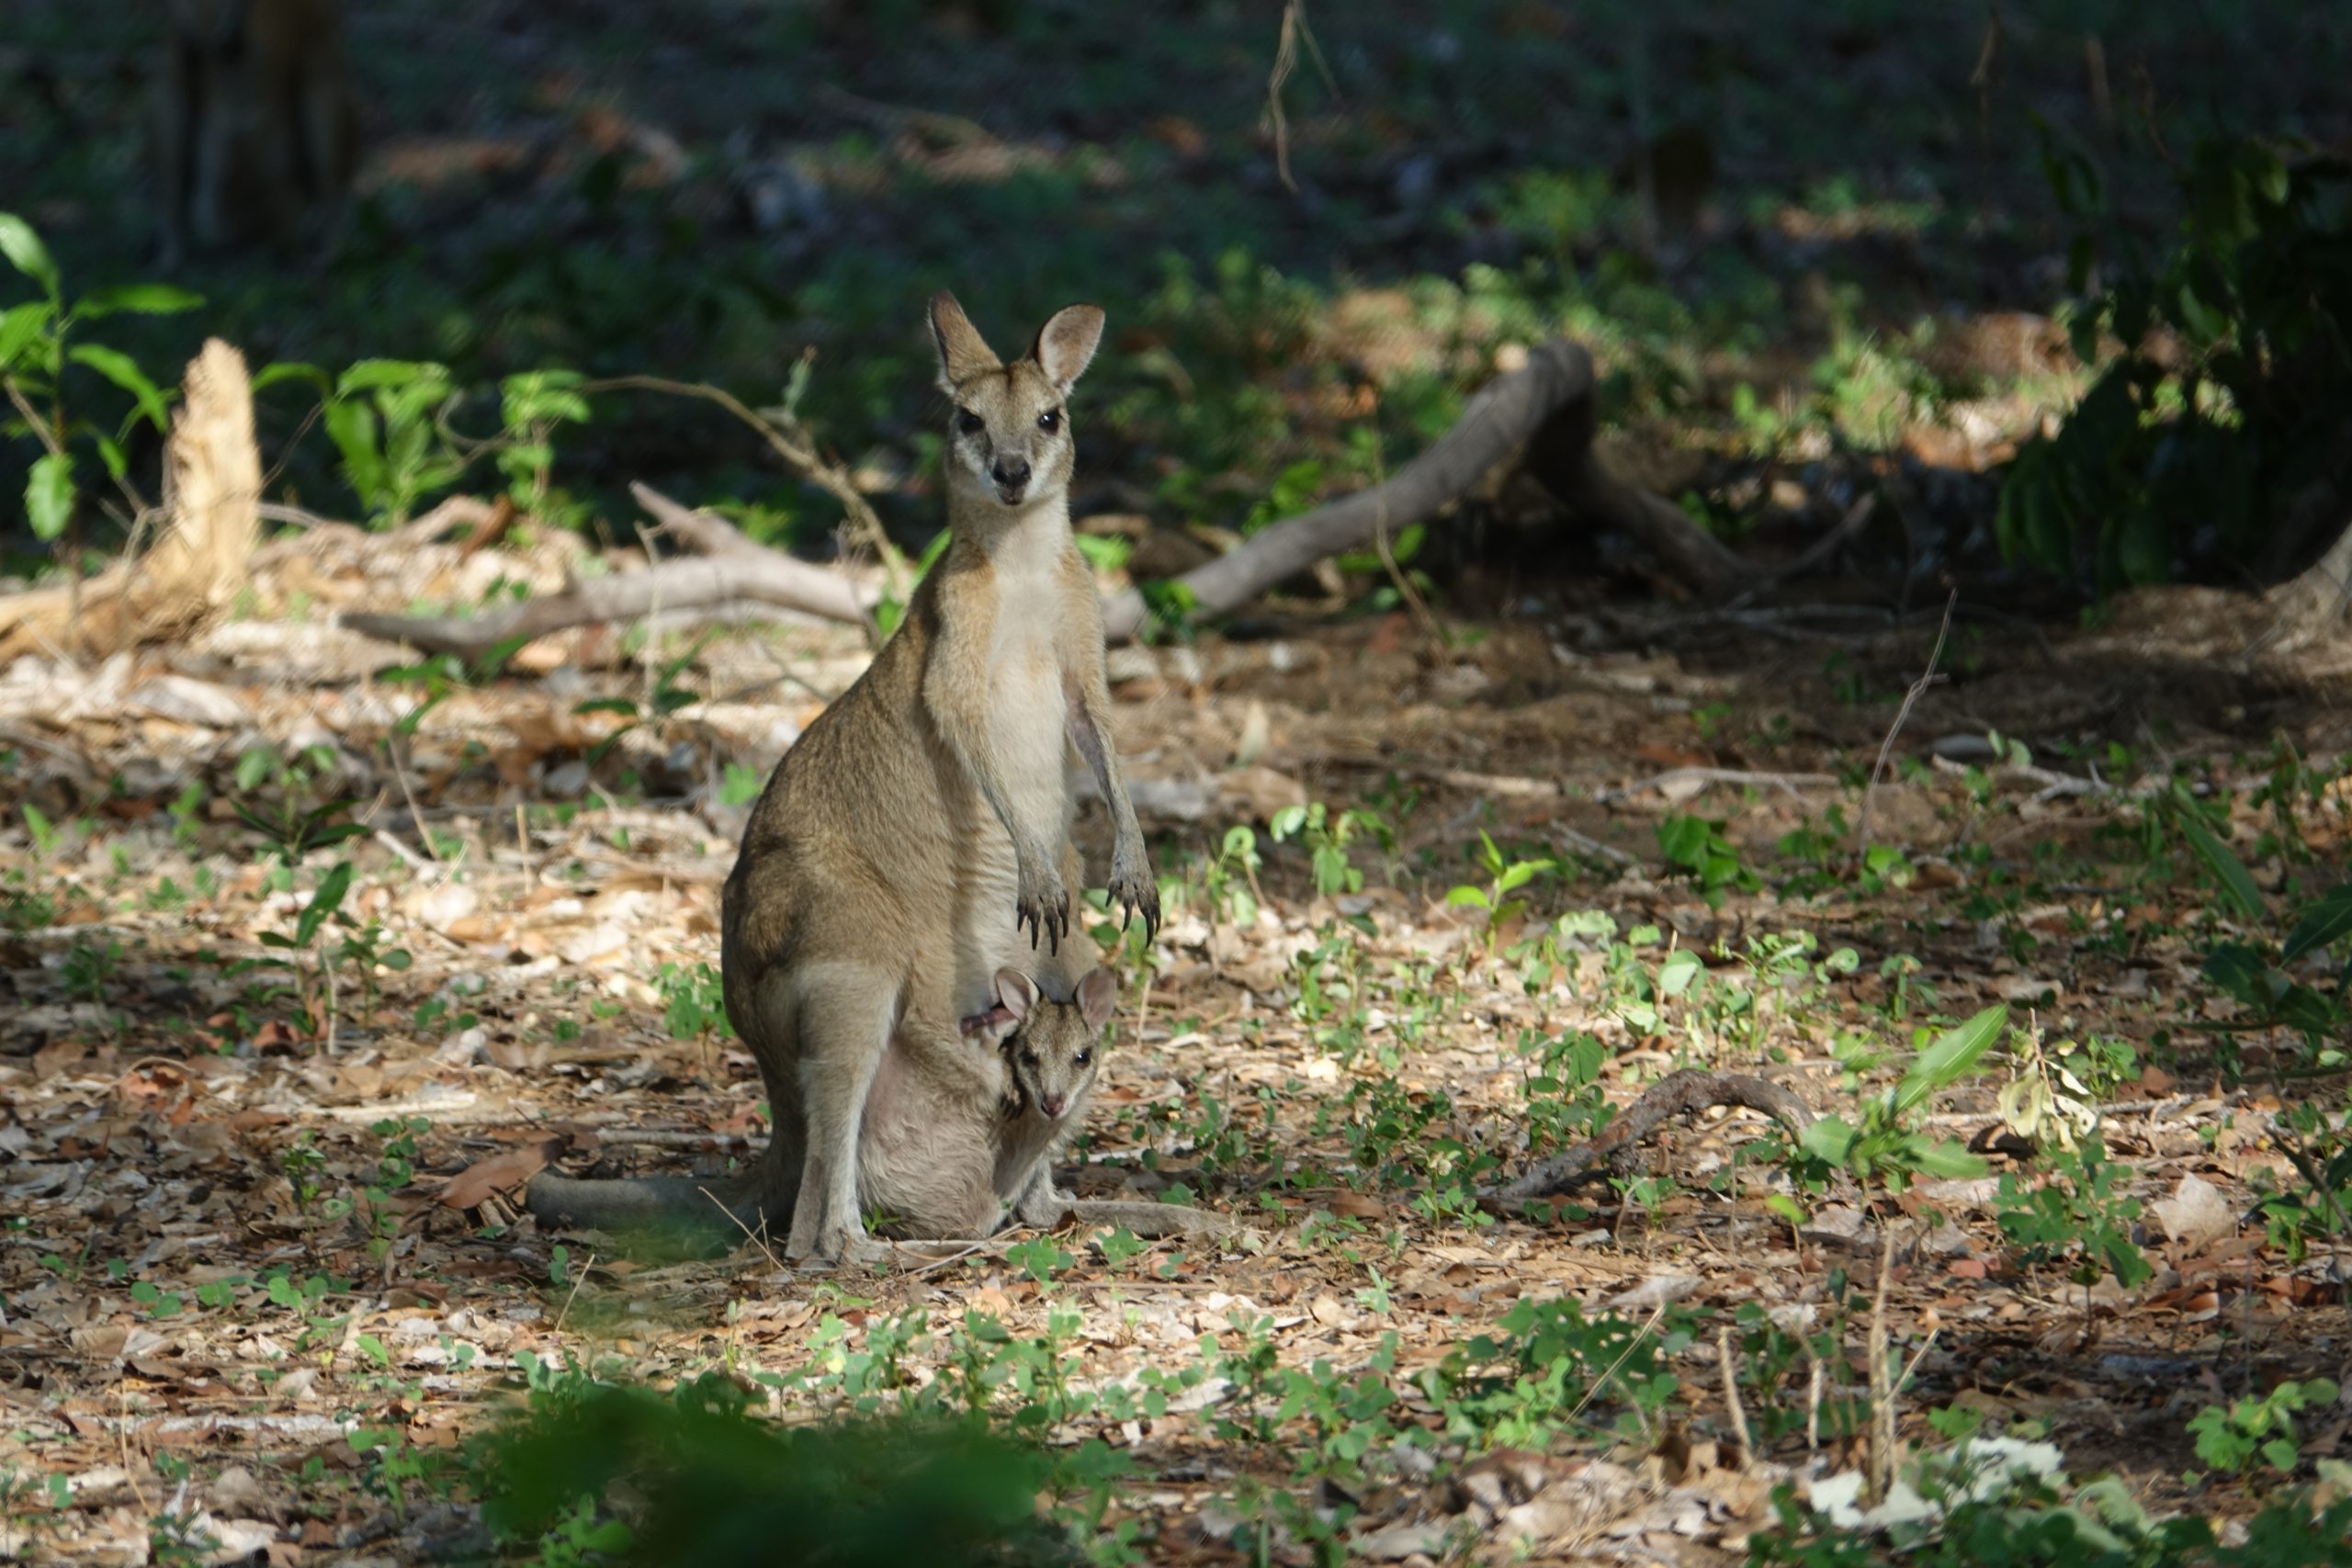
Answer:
(1051, 1104)
(1011, 473)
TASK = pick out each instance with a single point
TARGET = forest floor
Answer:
(1441, 889)
(264, 1281)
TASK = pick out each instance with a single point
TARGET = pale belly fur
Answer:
(1034, 753)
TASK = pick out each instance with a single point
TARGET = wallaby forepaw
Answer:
(1044, 908)
(1136, 891)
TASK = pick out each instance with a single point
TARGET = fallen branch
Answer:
(738, 571)
(1693, 779)
(1546, 408)
(1679, 1094)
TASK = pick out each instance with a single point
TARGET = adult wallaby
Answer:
(915, 840)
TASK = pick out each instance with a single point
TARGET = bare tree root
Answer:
(1546, 408)
(1678, 1094)
(736, 571)
(199, 560)
(2312, 605)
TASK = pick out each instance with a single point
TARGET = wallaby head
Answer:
(1050, 1045)
(1007, 440)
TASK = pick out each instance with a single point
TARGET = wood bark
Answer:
(2312, 604)
(211, 521)
(1678, 1094)
(735, 571)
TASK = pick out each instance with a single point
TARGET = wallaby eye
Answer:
(1083, 1058)
(1050, 420)
(969, 423)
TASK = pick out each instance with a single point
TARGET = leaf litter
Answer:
(251, 1216)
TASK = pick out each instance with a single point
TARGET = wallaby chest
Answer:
(1028, 704)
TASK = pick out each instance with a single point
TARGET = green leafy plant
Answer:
(2258, 1427)
(2080, 1212)
(1505, 877)
(385, 417)
(2211, 438)
(693, 1003)
(1695, 847)
(1325, 835)
(532, 404)
(718, 1487)
(40, 358)
(1885, 1144)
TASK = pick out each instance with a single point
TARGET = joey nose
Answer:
(1011, 474)
(1051, 1104)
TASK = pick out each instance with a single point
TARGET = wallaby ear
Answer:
(963, 353)
(1015, 992)
(1098, 997)
(1066, 344)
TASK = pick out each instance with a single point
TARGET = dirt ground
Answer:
(176, 1124)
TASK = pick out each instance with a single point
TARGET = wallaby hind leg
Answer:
(845, 1014)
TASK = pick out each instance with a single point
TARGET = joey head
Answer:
(1052, 1051)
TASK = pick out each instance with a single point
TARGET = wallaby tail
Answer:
(697, 1212)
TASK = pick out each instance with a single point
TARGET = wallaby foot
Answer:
(1044, 1205)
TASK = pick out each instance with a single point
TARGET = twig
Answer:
(758, 1237)
(577, 1281)
(1403, 584)
(1592, 846)
(1857, 517)
(1293, 29)
(1731, 1406)
(658, 1137)
(1870, 791)
(1673, 776)
(797, 448)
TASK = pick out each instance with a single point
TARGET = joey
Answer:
(1051, 1054)
(915, 842)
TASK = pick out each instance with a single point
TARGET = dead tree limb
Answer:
(736, 571)
(1546, 408)
(1678, 1094)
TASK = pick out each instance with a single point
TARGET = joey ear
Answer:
(1066, 344)
(1098, 996)
(963, 353)
(1016, 992)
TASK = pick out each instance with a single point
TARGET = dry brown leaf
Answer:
(501, 1173)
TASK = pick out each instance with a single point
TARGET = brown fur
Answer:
(256, 126)
(915, 840)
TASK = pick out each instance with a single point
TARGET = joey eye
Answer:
(1081, 1058)
(968, 423)
(1050, 420)
(1029, 1058)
